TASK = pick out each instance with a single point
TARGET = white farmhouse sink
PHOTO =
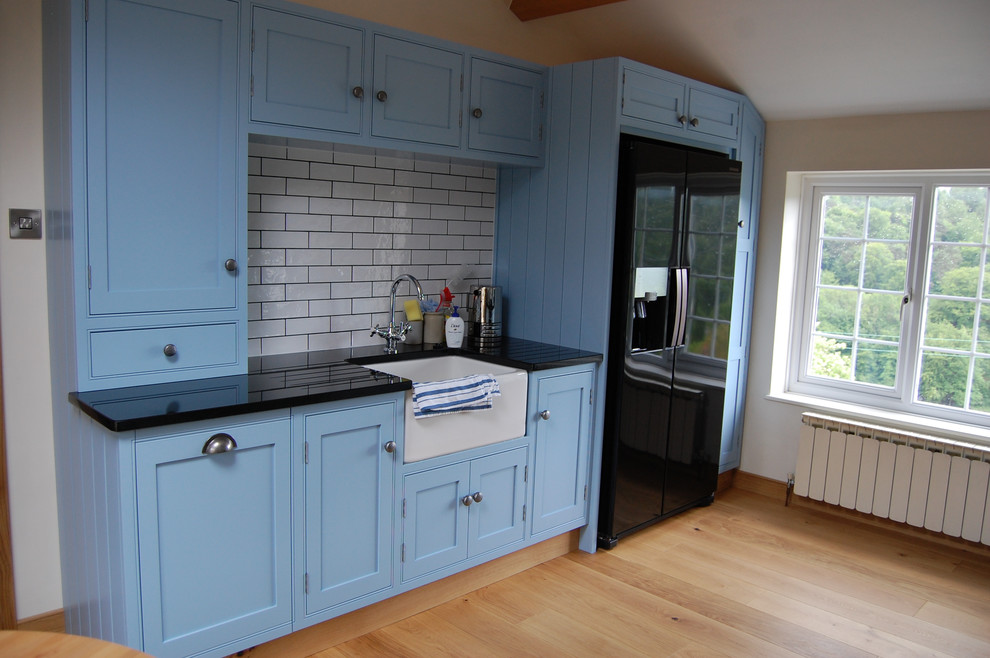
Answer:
(441, 435)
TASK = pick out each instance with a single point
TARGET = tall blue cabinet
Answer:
(555, 226)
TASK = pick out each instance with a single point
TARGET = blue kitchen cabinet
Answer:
(417, 92)
(506, 108)
(162, 136)
(158, 260)
(679, 105)
(213, 536)
(561, 409)
(306, 72)
(464, 509)
(350, 452)
(751, 154)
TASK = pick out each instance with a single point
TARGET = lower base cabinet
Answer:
(350, 456)
(214, 535)
(253, 526)
(561, 408)
(461, 510)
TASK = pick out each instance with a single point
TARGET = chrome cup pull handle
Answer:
(219, 443)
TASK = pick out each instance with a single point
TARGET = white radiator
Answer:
(924, 481)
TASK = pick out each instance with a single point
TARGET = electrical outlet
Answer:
(25, 224)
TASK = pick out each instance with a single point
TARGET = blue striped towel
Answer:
(471, 393)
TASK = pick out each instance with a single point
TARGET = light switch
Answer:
(25, 224)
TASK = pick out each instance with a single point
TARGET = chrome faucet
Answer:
(397, 331)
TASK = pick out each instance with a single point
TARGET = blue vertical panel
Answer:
(349, 495)
(162, 143)
(305, 72)
(578, 172)
(417, 92)
(537, 244)
(214, 535)
(497, 520)
(599, 233)
(555, 257)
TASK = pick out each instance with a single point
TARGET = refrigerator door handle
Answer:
(680, 307)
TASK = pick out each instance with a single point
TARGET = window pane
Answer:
(983, 334)
(830, 358)
(836, 311)
(886, 266)
(876, 364)
(960, 213)
(949, 324)
(943, 379)
(890, 217)
(980, 399)
(843, 216)
(841, 262)
(699, 337)
(955, 270)
(880, 316)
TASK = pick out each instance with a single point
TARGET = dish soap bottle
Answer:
(454, 330)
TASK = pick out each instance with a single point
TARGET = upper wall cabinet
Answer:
(322, 76)
(417, 92)
(306, 72)
(158, 261)
(680, 104)
(506, 110)
(162, 136)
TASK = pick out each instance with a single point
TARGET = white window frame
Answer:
(900, 399)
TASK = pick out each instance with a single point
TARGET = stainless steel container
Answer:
(485, 318)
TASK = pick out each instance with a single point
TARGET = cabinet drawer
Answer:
(116, 353)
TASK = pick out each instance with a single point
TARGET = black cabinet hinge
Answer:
(586, 492)
(252, 85)
(524, 512)
(526, 473)
(306, 587)
(306, 452)
(403, 508)
(252, 40)
(402, 553)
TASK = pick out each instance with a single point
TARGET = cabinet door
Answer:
(654, 98)
(560, 477)
(435, 523)
(506, 110)
(162, 136)
(498, 501)
(417, 92)
(350, 464)
(713, 114)
(306, 72)
(213, 537)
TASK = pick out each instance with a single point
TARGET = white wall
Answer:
(24, 315)
(947, 140)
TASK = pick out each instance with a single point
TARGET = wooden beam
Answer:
(527, 10)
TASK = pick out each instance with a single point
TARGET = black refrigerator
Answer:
(676, 222)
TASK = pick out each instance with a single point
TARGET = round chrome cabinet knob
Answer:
(230, 265)
(545, 414)
(390, 447)
(170, 350)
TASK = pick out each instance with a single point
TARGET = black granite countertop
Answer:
(287, 380)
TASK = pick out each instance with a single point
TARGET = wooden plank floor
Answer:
(744, 577)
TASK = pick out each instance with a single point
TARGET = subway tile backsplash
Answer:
(330, 228)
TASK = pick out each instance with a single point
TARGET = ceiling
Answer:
(801, 59)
